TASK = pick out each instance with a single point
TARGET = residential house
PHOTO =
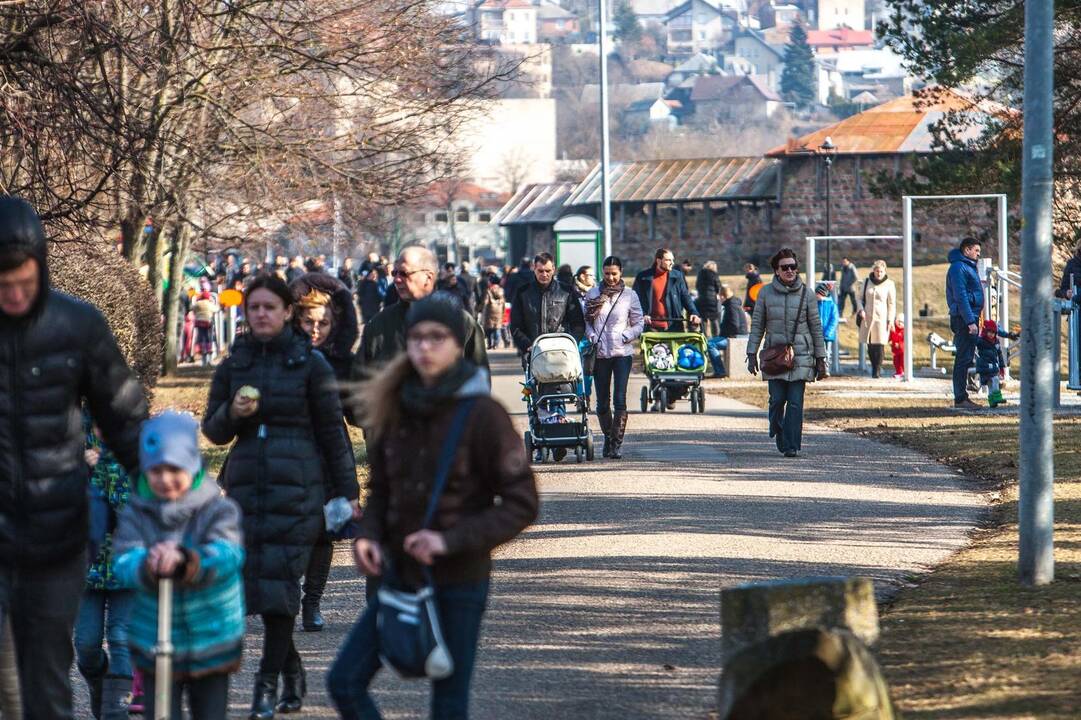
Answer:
(848, 74)
(509, 22)
(699, 26)
(555, 24)
(829, 42)
(718, 98)
(766, 58)
(692, 67)
(833, 14)
(643, 115)
(779, 15)
(653, 11)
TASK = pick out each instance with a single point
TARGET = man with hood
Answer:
(383, 338)
(964, 296)
(55, 353)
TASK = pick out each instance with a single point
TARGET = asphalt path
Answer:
(608, 607)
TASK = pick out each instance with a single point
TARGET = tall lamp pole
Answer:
(829, 151)
(606, 210)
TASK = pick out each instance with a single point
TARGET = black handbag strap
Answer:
(611, 309)
(446, 457)
(799, 308)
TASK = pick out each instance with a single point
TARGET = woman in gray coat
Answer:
(786, 313)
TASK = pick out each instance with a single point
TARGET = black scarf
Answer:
(420, 401)
(885, 277)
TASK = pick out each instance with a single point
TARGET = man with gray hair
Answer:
(415, 273)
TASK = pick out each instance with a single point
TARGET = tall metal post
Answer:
(1004, 263)
(827, 273)
(606, 199)
(1036, 561)
(906, 221)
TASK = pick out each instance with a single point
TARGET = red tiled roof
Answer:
(898, 126)
(481, 197)
(841, 37)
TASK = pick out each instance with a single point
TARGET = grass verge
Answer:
(967, 640)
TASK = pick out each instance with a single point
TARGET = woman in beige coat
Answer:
(786, 313)
(876, 314)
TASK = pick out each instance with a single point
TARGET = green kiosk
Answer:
(579, 241)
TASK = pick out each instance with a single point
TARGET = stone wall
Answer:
(751, 233)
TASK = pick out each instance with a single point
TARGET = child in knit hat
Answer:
(179, 525)
(990, 363)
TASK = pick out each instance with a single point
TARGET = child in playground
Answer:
(990, 364)
(178, 525)
(897, 347)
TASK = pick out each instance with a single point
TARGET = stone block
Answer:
(753, 613)
(735, 358)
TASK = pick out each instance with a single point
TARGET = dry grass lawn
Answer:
(968, 641)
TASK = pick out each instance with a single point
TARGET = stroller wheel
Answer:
(589, 446)
(701, 399)
(694, 402)
(645, 399)
(662, 399)
(578, 454)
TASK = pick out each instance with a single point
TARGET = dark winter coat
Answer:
(50, 360)
(677, 296)
(989, 358)
(964, 291)
(338, 349)
(536, 311)
(753, 279)
(708, 285)
(1072, 270)
(383, 339)
(371, 300)
(275, 469)
(734, 319)
(490, 463)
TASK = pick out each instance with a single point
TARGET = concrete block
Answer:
(736, 358)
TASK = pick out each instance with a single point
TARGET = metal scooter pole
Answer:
(163, 652)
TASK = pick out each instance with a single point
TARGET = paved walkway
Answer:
(608, 607)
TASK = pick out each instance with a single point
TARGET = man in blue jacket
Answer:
(964, 296)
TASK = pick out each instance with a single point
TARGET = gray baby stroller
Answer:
(554, 391)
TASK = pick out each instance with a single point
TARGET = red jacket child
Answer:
(897, 345)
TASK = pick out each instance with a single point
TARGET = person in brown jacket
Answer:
(494, 306)
(409, 410)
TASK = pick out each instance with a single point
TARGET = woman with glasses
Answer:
(410, 408)
(786, 316)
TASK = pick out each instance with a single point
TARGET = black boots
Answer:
(315, 581)
(605, 419)
(265, 697)
(619, 427)
(115, 696)
(294, 688)
(310, 617)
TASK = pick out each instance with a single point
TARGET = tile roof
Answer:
(481, 197)
(899, 126)
(715, 87)
(737, 178)
(841, 37)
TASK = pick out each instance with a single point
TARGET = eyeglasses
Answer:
(406, 273)
(787, 267)
(433, 339)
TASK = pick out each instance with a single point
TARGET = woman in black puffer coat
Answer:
(280, 402)
(324, 312)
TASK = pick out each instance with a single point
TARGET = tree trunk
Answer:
(180, 242)
(153, 261)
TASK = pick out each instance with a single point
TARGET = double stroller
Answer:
(554, 392)
(675, 363)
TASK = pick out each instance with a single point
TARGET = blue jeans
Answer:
(103, 615)
(965, 342)
(461, 607)
(786, 413)
(609, 371)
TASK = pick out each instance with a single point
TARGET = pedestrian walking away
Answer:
(850, 276)
(59, 354)
(877, 314)
(614, 320)
(492, 312)
(327, 315)
(708, 285)
(278, 399)
(178, 526)
(964, 296)
(410, 408)
(103, 612)
(786, 318)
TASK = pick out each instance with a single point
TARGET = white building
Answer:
(509, 22)
(699, 26)
(834, 14)
(848, 74)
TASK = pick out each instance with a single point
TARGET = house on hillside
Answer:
(692, 67)
(698, 26)
(555, 24)
(779, 15)
(506, 22)
(831, 42)
(848, 74)
(765, 58)
(653, 11)
(719, 98)
(833, 14)
(643, 115)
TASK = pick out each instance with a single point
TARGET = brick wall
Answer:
(752, 233)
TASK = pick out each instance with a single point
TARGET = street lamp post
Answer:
(828, 151)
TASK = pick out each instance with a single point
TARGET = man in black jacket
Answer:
(55, 353)
(542, 307)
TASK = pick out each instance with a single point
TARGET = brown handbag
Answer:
(781, 358)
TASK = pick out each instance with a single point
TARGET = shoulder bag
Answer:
(780, 358)
(589, 352)
(410, 637)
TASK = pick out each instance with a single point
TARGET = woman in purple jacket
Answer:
(613, 321)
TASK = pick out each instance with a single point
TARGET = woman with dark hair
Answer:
(326, 314)
(786, 316)
(411, 408)
(565, 277)
(614, 319)
(278, 400)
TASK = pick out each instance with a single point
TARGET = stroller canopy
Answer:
(555, 358)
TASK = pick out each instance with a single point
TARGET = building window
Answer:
(462, 215)
(420, 218)
(440, 217)
(484, 217)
